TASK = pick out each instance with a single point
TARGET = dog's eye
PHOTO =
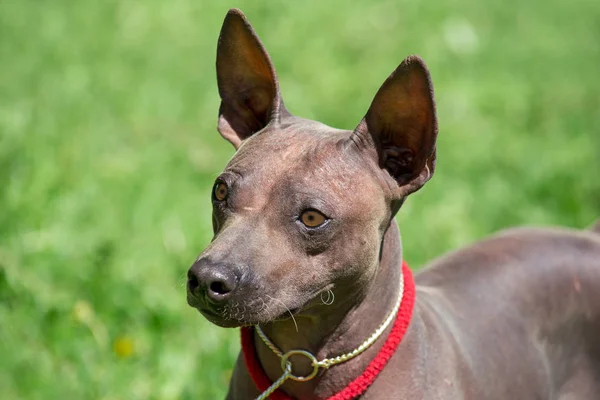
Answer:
(312, 218)
(220, 191)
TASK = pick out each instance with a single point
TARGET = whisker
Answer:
(181, 280)
(330, 298)
(288, 310)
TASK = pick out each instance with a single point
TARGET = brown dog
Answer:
(303, 209)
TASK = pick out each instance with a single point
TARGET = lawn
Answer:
(108, 151)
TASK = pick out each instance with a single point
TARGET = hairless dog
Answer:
(307, 259)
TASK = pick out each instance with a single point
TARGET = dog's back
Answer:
(596, 227)
(525, 296)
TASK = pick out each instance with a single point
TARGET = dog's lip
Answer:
(214, 316)
(193, 301)
(202, 306)
(208, 312)
(218, 320)
(211, 314)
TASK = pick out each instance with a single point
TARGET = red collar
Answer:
(359, 385)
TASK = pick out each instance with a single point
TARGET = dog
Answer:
(307, 259)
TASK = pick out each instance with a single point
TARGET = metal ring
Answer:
(314, 363)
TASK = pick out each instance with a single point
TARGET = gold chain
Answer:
(286, 365)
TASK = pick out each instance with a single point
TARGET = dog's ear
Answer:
(401, 125)
(246, 79)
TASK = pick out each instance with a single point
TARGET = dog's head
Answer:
(302, 208)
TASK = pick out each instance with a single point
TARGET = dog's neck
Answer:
(338, 328)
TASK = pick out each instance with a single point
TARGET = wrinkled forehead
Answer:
(303, 159)
(289, 147)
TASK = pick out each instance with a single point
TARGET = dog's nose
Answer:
(217, 281)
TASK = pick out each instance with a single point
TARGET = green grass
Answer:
(108, 150)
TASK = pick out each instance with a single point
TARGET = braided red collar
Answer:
(359, 385)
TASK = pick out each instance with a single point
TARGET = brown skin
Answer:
(303, 208)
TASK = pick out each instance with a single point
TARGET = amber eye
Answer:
(312, 218)
(220, 191)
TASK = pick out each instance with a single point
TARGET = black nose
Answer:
(218, 281)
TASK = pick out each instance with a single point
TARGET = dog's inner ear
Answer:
(401, 124)
(246, 79)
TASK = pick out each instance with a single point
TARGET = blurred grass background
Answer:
(108, 150)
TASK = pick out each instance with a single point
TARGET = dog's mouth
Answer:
(233, 317)
(219, 319)
(261, 310)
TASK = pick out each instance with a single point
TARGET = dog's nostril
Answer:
(219, 288)
(193, 282)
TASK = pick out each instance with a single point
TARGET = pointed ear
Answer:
(401, 125)
(246, 79)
